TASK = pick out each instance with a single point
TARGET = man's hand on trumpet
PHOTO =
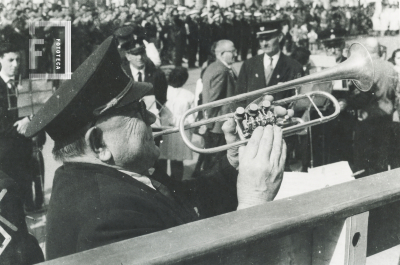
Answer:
(261, 163)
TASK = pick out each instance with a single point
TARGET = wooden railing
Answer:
(342, 224)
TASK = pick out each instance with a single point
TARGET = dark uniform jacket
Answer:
(94, 205)
(252, 76)
(23, 247)
(7, 117)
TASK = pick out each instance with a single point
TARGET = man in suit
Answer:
(269, 68)
(218, 83)
(138, 66)
(15, 148)
(104, 192)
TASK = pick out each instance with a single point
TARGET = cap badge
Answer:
(333, 36)
(262, 28)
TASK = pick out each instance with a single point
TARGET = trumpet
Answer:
(358, 68)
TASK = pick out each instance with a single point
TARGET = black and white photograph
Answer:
(200, 132)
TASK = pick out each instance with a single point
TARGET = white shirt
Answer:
(267, 60)
(135, 73)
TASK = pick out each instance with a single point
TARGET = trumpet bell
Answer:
(360, 67)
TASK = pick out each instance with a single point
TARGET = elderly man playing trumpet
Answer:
(104, 192)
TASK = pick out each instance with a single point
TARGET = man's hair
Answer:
(70, 147)
(393, 56)
(220, 46)
(178, 77)
(6, 48)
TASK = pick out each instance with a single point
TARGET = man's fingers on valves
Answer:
(277, 146)
(254, 143)
(266, 143)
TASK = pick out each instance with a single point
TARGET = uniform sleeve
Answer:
(116, 225)
(160, 87)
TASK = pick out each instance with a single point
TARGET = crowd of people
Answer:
(184, 33)
(101, 126)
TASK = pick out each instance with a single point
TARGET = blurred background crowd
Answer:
(185, 33)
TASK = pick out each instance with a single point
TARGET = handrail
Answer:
(227, 234)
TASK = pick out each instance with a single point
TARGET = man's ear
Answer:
(94, 139)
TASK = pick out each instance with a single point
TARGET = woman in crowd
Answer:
(395, 59)
(179, 100)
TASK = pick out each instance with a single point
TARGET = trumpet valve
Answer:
(241, 122)
(254, 121)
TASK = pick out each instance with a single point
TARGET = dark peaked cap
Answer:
(269, 27)
(99, 81)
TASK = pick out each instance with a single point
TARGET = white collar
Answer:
(135, 72)
(143, 179)
(5, 77)
(275, 59)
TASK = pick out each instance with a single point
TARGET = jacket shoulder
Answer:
(214, 69)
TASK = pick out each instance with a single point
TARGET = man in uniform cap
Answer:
(141, 69)
(228, 28)
(204, 38)
(123, 34)
(336, 31)
(246, 35)
(217, 32)
(334, 47)
(103, 193)
(269, 68)
(192, 22)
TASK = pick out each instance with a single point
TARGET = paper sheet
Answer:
(295, 183)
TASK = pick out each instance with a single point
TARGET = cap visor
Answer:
(137, 91)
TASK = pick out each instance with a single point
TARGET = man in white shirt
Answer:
(271, 67)
(15, 148)
(142, 69)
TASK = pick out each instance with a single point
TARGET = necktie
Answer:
(140, 77)
(268, 71)
(12, 95)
